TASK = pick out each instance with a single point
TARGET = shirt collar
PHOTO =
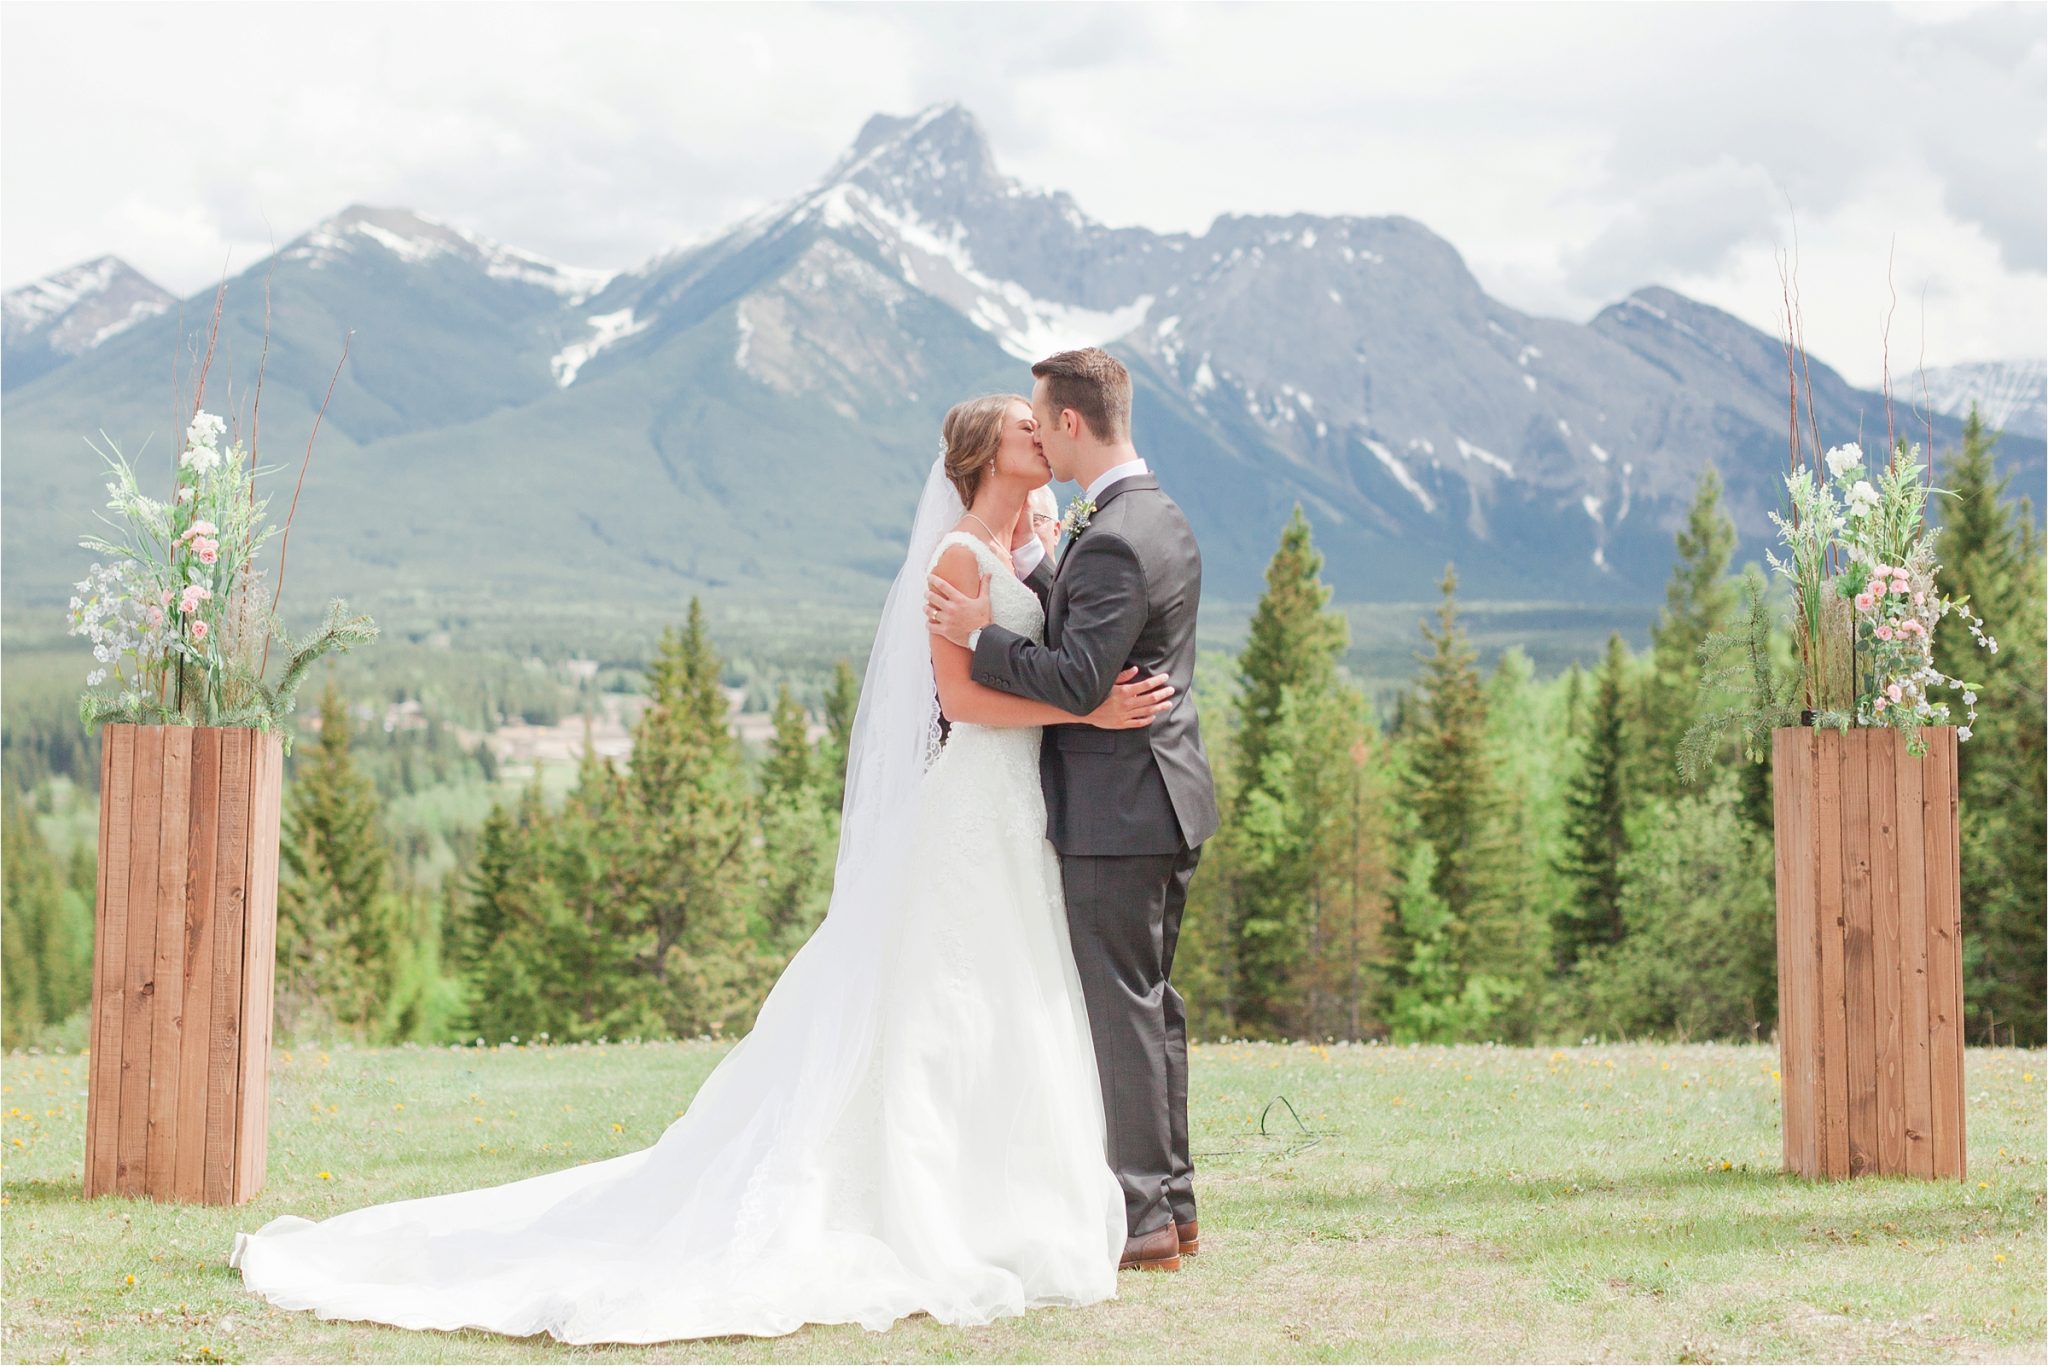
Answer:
(1114, 473)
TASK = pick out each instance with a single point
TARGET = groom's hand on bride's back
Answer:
(1133, 703)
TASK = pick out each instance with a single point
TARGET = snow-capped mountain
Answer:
(48, 321)
(415, 238)
(756, 411)
(2012, 395)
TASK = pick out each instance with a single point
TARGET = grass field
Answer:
(1469, 1203)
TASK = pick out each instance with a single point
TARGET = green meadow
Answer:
(1360, 1202)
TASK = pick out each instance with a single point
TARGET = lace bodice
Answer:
(1009, 750)
(1014, 606)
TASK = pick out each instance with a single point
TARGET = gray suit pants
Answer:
(1123, 916)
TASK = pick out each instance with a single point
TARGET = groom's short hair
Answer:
(1094, 384)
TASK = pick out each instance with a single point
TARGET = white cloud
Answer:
(1570, 152)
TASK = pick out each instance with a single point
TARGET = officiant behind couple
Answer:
(966, 1095)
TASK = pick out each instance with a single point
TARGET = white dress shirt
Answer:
(1114, 473)
(1026, 557)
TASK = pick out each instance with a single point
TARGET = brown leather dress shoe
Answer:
(1158, 1250)
(1190, 1237)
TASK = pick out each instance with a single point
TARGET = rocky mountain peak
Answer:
(414, 237)
(73, 310)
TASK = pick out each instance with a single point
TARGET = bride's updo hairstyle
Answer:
(973, 433)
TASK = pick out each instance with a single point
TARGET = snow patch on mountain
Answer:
(1392, 464)
(2011, 395)
(938, 261)
(1472, 451)
(607, 328)
(43, 299)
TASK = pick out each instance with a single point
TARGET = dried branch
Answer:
(292, 514)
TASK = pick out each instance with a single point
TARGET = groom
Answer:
(1127, 809)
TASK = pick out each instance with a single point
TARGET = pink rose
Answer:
(1882, 571)
(208, 555)
(202, 527)
(1864, 602)
(156, 616)
(1879, 705)
(1893, 692)
(199, 630)
(1898, 586)
(1884, 633)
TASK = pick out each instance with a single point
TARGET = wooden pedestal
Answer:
(1870, 954)
(184, 937)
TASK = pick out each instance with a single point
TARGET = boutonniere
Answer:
(1077, 516)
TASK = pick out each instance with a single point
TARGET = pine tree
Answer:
(45, 930)
(1451, 782)
(513, 932)
(1292, 734)
(1596, 824)
(1698, 600)
(1523, 733)
(691, 866)
(787, 770)
(1294, 643)
(1990, 550)
(602, 938)
(337, 924)
(798, 836)
(841, 703)
(1454, 798)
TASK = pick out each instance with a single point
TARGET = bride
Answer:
(914, 1123)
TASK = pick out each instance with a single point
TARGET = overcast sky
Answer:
(1571, 153)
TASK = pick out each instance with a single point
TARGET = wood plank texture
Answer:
(1869, 954)
(184, 934)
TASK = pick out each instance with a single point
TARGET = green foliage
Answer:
(1596, 820)
(340, 927)
(787, 771)
(799, 833)
(1435, 999)
(841, 702)
(45, 929)
(1297, 740)
(1699, 602)
(1741, 661)
(1698, 956)
(1990, 551)
(1453, 792)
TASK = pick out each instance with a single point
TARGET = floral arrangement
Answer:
(1861, 565)
(1859, 560)
(175, 611)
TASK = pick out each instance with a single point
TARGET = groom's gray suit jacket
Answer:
(1126, 592)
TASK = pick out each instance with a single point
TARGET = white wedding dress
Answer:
(913, 1125)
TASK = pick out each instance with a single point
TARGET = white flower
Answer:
(200, 459)
(205, 430)
(1842, 459)
(185, 493)
(1970, 699)
(95, 678)
(1862, 498)
(1962, 732)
